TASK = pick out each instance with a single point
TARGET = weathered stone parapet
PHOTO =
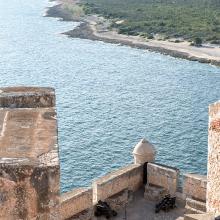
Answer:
(28, 192)
(163, 176)
(206, 216)
(213, 185)
(116, 188)
(194, 186)
(76, 203)
(129, 177)
(29, 163)
(195, 206)
(27, 97)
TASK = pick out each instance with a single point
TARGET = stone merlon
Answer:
(27, 97)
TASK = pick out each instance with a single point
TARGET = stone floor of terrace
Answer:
(140, 209)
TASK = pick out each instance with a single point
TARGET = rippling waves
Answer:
(108, 96)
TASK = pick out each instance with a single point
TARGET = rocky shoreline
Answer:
(86, 31)
(57, 11)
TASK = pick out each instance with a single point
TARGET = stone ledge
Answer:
(195, 204)
(194, 186)
(75, 202)
(123, 170)
(27, 97)
(129, 177)
(205, 216)
(196, 179)
(171, 172)
(190, 210)
(163, 176)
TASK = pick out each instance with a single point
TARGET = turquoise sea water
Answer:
(108, 96)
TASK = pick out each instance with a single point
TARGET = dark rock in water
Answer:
(58, 11)
(83, 31)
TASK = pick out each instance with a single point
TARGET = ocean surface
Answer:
(108, 96)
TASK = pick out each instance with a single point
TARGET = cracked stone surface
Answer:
(28, 136)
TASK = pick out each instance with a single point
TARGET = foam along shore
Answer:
(94, 27)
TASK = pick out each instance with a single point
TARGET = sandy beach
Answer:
(94, 27)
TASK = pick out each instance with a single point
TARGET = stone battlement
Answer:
(30, 170)
(131, 178)
(27, 97)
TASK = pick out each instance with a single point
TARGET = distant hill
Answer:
(188, 19)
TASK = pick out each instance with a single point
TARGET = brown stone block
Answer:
(194, 186)
(28, 192)
(215, 125)
(163, 176)
(27, 97)
(75, 202)
(129, 177)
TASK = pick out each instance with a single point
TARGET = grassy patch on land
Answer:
(188, 19)
(75, 10)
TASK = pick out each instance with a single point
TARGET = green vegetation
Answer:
(197, 42)
(187, 19)
(75, 10)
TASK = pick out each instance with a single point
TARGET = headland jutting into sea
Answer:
(95, 27)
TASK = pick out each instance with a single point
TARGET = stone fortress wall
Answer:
(29, 162)
(125, 181)
(30, 172)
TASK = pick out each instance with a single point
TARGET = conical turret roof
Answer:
(144, 147)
